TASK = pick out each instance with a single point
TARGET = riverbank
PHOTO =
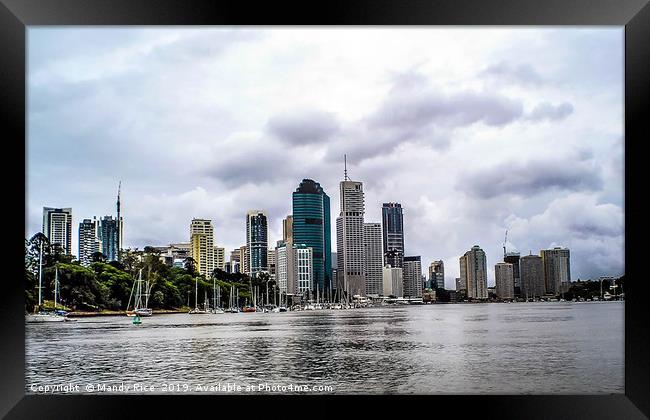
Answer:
(83, 314)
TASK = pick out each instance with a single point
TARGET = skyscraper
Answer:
(89, 242)
(220, 258)
(557, 269)
(349, 239)
(392, 221)
(57, 226)
(294, 268)
(412, 275)
(437, 274)
(513, 258)
(374, 257)
(257, 242)
(504, 279)
(310, 225)
(532, 276)
(392, 281)
(202, 245)
(109, 235)
(473, 273)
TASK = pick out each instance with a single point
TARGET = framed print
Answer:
(375, 202)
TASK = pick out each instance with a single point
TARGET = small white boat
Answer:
(49, 316)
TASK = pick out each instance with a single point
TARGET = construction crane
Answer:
(505, 240)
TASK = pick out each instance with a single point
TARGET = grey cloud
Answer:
(531, 178)
(547, 111)
(523, 74)
(303, 127)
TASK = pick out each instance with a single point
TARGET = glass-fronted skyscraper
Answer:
(109, 235)
(257, 242)
(392, 221)
(311, 227)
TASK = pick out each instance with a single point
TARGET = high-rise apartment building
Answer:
(557, 269)
(220, 258)
(513, 258)
(473, 273)
(294, 268)
(392, 221)
(349, 239)
(392, 281)
(202, 245)
(504, 279)
(412, 275)
(374, 257)
(57, 226)
(109, 235)
(89, 242)
(532, 276)
(257, 242)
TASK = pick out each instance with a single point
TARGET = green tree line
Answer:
(108, 285)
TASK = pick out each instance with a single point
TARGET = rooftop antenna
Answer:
(345, 166)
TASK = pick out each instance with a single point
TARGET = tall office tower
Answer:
(311, 226)
(392, 221)
(220, 258)
(460, 285)
(120, 223)
(473, 270)
(513, 258)
(557, 269)
(374, 258)
(505, 280)
(57, 226)
(109, 235)
(437, 274)
(294, 269)
(392, 281)
(88, 241)
(244, 266)
(271, 258)
(349, 239)
(412, 274)
(532, 276)
(202, 245)
(257, 241)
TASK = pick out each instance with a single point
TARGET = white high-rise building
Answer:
(349, 239)
(304, 268)
(473, 273)
(202, 245)
(89, 242)
(504, 279)
(220, 257)
(372, 240)
(294, 268)
(412, 276)
(57, 226)
(392, 281)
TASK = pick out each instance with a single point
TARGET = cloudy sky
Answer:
(473, 130)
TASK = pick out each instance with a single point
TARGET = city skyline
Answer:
(508, 139)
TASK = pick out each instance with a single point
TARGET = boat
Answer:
(140, 307)
(216, 302)
(248, 309)
(137, 320)
(196, 309)
(48, 316)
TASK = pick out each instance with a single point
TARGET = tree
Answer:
(190, 266)
(97, 257)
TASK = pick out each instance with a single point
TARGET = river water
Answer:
(516, 348)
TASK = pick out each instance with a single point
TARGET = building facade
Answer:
(505, 280)
(532, 277)
(513, 258)
(557, 269)
(89, 242)
(57, 226)
(437, 274)
(392, 220)
(412, 275)
(349, 239)
(392, 281)
(257, 242)
(220, 258)
(311, 226)
(109, 235)
(374, 257)
(202, 245)
(473, 270)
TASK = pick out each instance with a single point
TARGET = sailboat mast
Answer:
(196, 293)
(56, 286)
(40, 275)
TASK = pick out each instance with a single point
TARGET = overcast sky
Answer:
(473, 130)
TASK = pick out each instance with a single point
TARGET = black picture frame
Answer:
(16, 15)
